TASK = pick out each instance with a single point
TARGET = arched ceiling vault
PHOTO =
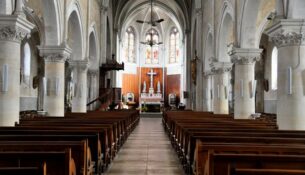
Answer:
(176, 10)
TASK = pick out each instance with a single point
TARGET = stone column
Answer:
(221, 72)
(103, 36)
(13, 29)
(55, 57)
(199, 83)
(79, 101)
(288, 36)
(245, 84)
(187, 73)
(207, 91)
(93, 74)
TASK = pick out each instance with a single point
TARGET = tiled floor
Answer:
(147, 152)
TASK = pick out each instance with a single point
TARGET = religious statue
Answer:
(70, 91)
(38, 82)
(159, 88)
(194, 67)
(144, 87)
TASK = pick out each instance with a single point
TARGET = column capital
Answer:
(208, 73)
(14, 28)
(55, 53)
(104, 9)
(92, 72)
(187, 31)
(81, 65)
(198, 12)
(287, 32)
(245, 55)
(221, 67)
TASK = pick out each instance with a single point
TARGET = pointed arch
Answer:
(130, 45)
(174, 45)
(152, 52)
(93, 50)
(254, 20)
(75, 31)
(53, 21)
(225, 32)
(208, 50)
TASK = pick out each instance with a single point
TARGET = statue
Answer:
(144, 87)
(194, 68)
(40, 83)
(70, 91)
(159, 88)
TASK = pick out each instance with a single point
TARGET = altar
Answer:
(151, 101)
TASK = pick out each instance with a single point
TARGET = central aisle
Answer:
(147, 152)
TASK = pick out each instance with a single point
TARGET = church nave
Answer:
(147, 151)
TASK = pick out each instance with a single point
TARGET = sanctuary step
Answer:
(151, 115)
(147, 151)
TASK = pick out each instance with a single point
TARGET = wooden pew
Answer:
(80, 152)
(40, 170)
(104, 133)
(264, 171)
(185, 129)
(104, 130)
(89, 122)
(98, 153)
(57, 162)
(220, 159)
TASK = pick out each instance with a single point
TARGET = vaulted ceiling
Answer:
(118, 4)
(178, 9)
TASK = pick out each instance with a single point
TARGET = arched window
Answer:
(174, 50)
(26, 64)
(152, 52)
(130, 45)
(274, 65)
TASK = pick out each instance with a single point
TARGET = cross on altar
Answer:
(151, 74)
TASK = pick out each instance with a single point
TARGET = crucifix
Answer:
(151, 74)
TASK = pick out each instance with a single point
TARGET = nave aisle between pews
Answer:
(147, 151)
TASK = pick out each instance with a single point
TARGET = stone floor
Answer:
(147, 152)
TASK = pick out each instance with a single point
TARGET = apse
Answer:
(152, 49)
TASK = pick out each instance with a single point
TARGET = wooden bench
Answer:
(220, 159)
(98, 153)
(80, 152)
(57, 162)
(92, 139)
(193, 132)
(41, 170)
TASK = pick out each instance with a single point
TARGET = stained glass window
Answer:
(274, 65)
(174, 50)
(130, 45)
(26, 64)
(152, 52)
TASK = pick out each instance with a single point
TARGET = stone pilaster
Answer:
(208, 91)
(93, 86)
(13, 28)
(79, 101)
(55, 58)
(199, 76)
(245, 84)
(221, 72)
(288, 36)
